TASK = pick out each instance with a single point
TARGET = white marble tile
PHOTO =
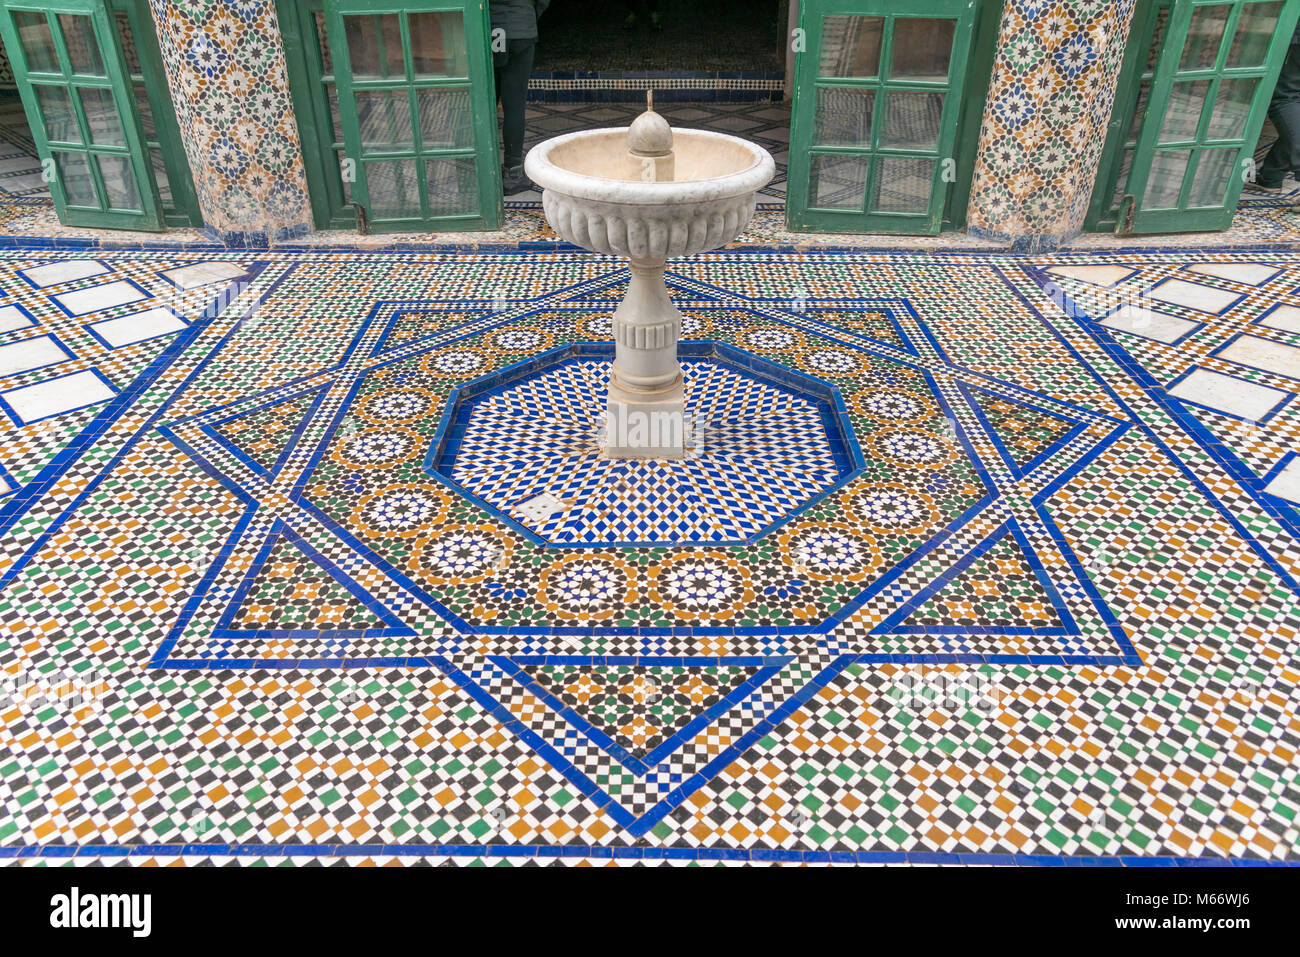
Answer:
(1286, 318)
(54, 273)
(1152, 325)
(1253, 274)
(30, 354)
(137, 327)
(11, 317)
(14, 163)
(1097, 275)
(82, 302)
(53, 396)
(200, 274)
(26, 181)
(1263, 354)
(1193, 295)
(1246, 400)
(1286, 483)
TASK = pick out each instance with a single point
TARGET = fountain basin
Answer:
(595, 197)
(649, 193)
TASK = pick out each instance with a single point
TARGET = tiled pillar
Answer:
(226, 70)
(1045, 121)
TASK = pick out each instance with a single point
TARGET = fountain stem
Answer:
(646, 404)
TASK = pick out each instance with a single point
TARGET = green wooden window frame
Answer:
(1136, 136)
(964, 90)
(180, 201)
(60, 79)
(324, 92)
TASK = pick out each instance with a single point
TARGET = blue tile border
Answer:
(621, 852)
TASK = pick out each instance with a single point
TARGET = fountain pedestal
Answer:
(646, 408)
(648, 193)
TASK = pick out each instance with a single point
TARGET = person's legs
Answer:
(512, 87)
(1284, 111)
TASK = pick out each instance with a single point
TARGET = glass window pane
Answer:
(1210, 184)
(438, 44)
(1183, 115)
(922, 48)
(445, 119)
(83, 48)
(1232, 108)
(1205, 36)
(1165, 181)
(844, 116)
(385, 120)
(375, 46)
(838, 182)
(902, 185)
(38, 42)
(119, 184)
(323, 43)
(160, 177)
(101, 117)
(1139, 111)
(128, 42)
(394, 190)
(1255, 29)
(851, 46)
(145, 109)
(56, 113)
(74, 176)
(1121, 181)
(912, 120)
(453, 187)
(336, 118)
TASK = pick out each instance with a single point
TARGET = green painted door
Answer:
(168, 164)
(1204, 72)
(879, 89)
(70, 69)
(417, 110)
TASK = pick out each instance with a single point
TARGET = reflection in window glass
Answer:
(38, 42)
(1205, 36)
(1210, 184)
(453, 187)
(1254, 32)
(843, 116)
(838, 182)
(1183, 115)
(384, 117)
(119, 184)
(101, 117)
(922, 48)
(375, 46)
(83, 48)
(56, 113)
(851, 46)
(74, 177)
(438, 44)
(1165, 181)
(1232, 108)
(394, 190)
(445, 119)
(902, 185)
(912, 120)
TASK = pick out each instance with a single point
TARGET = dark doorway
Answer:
(715, 35)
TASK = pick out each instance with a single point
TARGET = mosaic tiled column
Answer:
(226, 69)
(1045, 121)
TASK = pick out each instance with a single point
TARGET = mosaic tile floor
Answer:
(1022, 589)
(283, 578)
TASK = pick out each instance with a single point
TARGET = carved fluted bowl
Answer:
(594, 194)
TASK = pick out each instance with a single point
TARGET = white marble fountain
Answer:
(649, 193)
